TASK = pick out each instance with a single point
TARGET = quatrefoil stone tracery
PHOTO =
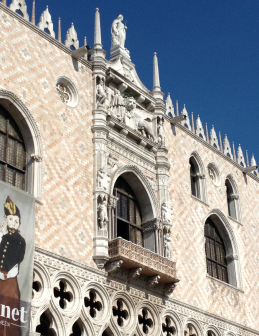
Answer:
(63, 93)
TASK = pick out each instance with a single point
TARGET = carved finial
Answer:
(220, 142)
(207, 133)
(193, 124)
(59, 30)
(169, 106)
(97, 31)
(186, 122)
(227, 147)
(21, 6)
(177, 108)
(213, 138)
(156, 80)
(33, 13)
(46, 22)
(199, 129)
(247, 160)
(4, 2)
(71, 38)
(234, 152)
(240, 157)
(253, 162)
(85, 41)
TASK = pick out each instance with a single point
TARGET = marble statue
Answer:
(166, 213)
(118, 32)
(167, 245)
(136, 122)
(103, 179)
(100, 92)
(118, 105)
(160, 132)
(102, 215)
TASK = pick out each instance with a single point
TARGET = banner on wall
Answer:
(17, 222)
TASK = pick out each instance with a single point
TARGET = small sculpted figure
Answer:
(102, 215)
(166, 213)
(167, 245)
(103, 179)
(118, 32)
(161, 132)
(118, 105)
(140, 124)
(100, 93)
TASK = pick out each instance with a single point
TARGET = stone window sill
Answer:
(235, 220)
(225, 283)
(199, 200)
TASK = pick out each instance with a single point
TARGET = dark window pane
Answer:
(19, 181)
(209, 268)
(131, 211)
(20, 158)
(2, 119)
(11, 151)
(10, 176)
(138, 216)
(124, 207)
(139, 240)
(119, 205)
(2, 146)
(122, 229)
(2, 170)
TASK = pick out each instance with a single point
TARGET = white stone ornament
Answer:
(118, 32)
(71, 38)
(226, 147)
(102, 215)
(213, 138)
(169, 106)
(46, 22)
(103, 179)
(167, 244)
(240, 157)
(199, 129)
(166, 213)
(20, 6)
(186, 122)
(160, 132)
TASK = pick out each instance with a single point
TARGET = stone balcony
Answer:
(134, 257)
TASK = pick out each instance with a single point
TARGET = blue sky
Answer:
(207, 52)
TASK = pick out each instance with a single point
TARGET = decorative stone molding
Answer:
(214, 174)
(199, 129)
(213, 138)
(46, 22)
(36, 157)
(136, 256)
(20, 5)
(186, 122)
(71, 38)
(232, 257)
(240, 157)
(169, 288)
(134, 273)
(227, 148)
(112, 266)
(67, 91)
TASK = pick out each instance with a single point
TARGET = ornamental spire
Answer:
(156, 81)
(97, 31)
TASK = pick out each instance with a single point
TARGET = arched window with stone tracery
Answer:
(215, 252)
(12, 151)
(128, 213)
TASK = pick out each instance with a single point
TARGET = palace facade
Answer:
(146, 223)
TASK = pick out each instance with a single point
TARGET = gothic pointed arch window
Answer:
(12, 151)
(232, 199)
(128, 213)
(195, 180)
(215, 252)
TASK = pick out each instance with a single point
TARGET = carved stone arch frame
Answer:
(216, 173)
(132, 323)
(212, 328)
(233, 183)
(106, 300)
(148, 204)
(86, 326)
(56, 323)
(231, 246)
(195, 324)
(32, 138)
(202, 176)
(154, 315)
(46, 284)
(111, 330)
(176, 320)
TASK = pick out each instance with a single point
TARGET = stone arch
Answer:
(85, 326)
(133, 175)
(231, 246)
(200, 172)
(177, 323)
(54, 317)
(195, 325)
(32, 138)
(235, 195)
(215, 331)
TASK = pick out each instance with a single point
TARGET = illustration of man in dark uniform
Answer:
(12, 250)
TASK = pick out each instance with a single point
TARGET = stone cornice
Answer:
(204, 142)
(43, 34)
